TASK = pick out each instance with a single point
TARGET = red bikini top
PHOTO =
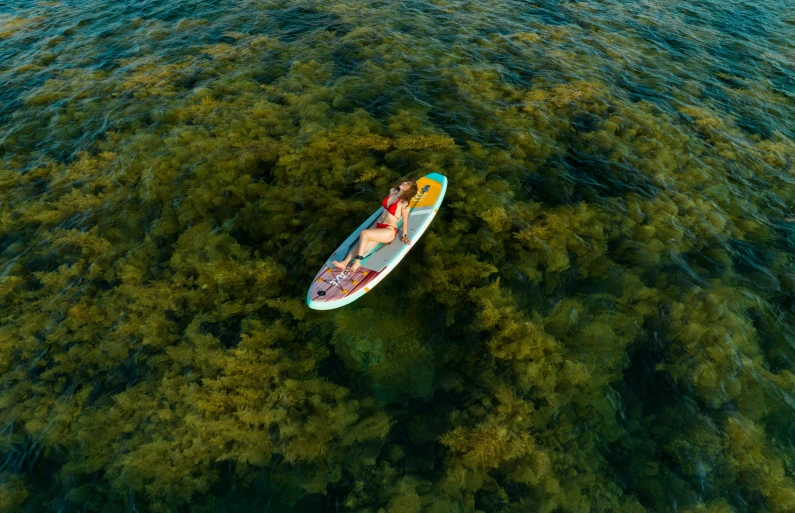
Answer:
(391, 208)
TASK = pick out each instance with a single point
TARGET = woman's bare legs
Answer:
(353, 252)
(344, 263)
(368, 239)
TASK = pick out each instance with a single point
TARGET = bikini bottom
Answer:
(384, 225)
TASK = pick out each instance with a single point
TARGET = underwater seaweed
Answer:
(599, 318)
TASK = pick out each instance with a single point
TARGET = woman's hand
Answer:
(405, 240)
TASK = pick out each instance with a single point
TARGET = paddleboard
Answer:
(333, 288)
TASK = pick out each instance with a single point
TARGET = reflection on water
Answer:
(599, 319)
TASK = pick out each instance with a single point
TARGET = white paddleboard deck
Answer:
(333, 288)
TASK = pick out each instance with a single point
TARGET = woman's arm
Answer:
(405, 216)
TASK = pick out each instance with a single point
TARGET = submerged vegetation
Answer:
(599, 319)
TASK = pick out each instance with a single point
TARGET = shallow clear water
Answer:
(599, 319)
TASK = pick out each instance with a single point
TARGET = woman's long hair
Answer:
(408, 193)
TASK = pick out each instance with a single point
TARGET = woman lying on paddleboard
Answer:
(396, 205)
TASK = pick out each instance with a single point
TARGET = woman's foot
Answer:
(339, 265)
(357, 261)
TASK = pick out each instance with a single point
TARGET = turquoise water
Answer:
(599, 318)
